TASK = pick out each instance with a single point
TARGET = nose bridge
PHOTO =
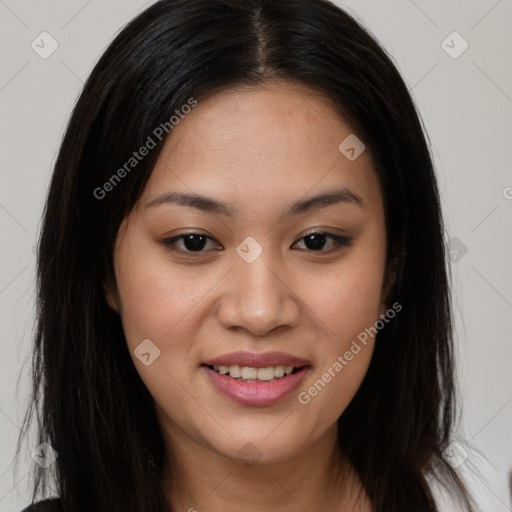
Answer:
(258, 300)
(257, 280)
(258, 287)
(253, 262)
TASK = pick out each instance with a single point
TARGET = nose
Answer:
(259, 297)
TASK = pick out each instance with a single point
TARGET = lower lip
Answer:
(256, 393)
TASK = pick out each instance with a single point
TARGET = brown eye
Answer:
(191, 242)
(318, 240)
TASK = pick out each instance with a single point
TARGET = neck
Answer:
(207, 481)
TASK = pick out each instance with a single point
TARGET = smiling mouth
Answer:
(251, 374)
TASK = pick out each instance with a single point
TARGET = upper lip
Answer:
(257, 360)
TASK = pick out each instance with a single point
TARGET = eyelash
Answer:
(338, 241)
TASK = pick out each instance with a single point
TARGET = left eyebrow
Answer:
(208, 204)
(342, 195)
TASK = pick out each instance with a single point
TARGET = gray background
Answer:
(466, 104)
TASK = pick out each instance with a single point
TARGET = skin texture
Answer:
(259, 150)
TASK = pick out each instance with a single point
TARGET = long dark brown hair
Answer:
(88, 400)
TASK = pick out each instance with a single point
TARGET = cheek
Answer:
(346, 307)
(344, 352)
(159, 304)
(154, 297)
(347, 301)
(163, 303)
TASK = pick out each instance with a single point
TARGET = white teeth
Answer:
(279, 371)
(235, 371)
(266, 373)
(247, 373)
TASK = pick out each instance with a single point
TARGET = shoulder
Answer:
(51, 505)
(487, 486)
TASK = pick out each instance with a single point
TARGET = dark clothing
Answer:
(53, 505)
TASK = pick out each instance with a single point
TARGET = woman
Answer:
(243, 294)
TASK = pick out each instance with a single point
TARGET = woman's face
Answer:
(253, 173)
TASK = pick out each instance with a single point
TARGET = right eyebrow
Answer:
(203, 203)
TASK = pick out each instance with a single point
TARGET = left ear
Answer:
(390, 277)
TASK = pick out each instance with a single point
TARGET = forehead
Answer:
(269, 141)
